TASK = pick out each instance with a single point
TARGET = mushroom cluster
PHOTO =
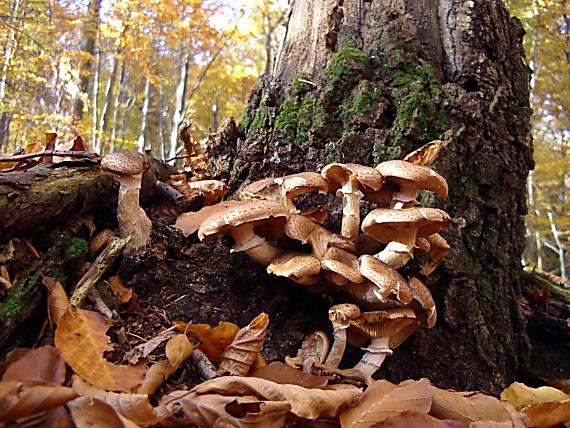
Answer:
(360, 262)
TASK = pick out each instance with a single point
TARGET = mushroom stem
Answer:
(245, 237)
(339, 345)
(374, 356)
(132, 219)
(398, 253)
(351, 197)
(264, 253)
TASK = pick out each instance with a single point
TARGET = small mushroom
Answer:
(314, 350)
(298, 267)
(213, 190)
(387, 280)
(305, 230)
(340, 316)
(387, 330)
(189, 223)
(439, 249)
(351, 181)
(241, 220)
(132, 220)
(400, 229)
(411, 178)
(341, 267)
(285, 189)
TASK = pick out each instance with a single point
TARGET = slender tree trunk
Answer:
(89, 37)
(9, 48)
(107, 105)
(178, 109)
(141, 140)
(5, 120)
(118, 101)
(95, 100)
(385, 78)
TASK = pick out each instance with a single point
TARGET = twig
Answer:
(25, 156)
(203, 365)
(97, 269)
(100, 304)
(177, 157)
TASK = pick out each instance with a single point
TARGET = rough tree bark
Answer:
(366, 81)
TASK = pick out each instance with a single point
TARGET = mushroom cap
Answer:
(314, 347)
(425, 305)
(190, 222)
(397, 324)
(298, 267)
(406, 173)
(422, 245)
(385, 224)
(342, 263)
(262, 189)
(304, 229)
(341, 314)
(437, 253)
(241, 213)
(296, 184)
(387, 279)
(124, 163)
(369, 179)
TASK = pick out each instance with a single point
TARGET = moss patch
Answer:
(485, 288)
(361, 103)
(298, 119)
(300, 87)
(76, 247)
(347, 63)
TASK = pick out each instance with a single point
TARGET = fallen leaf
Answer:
(305, 403)
(548, 414)
(178, 349)
(144, 349)
(124, 294)
(561, 384)
(410, 419)
(521, 396)
(58, 304)
(44, 364)
(383, 399)
(467, 407)
(247, 344)
(21, 399)
(213, 341)
(182, 409)
(88, 412)
(427, 153)
(134, 407)
(282, 373)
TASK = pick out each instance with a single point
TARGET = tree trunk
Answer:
(378, 80)
(178, 109)
(89, 37)
(5, 119)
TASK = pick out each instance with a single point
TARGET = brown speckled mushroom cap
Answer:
(305, 230)
(343, 264)
(388, 280)
(298, 267)
(341, 314)
(369, 179)
(397, 324)
(211, 189)
(296, 184)
(190, 222)
(242, 213)
(124, 163)
(423, 304)
(262, 189)
(386, 225)
(407, 174)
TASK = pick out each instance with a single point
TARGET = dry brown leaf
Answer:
(178, 349)
(279, 372)
(21, 399)
(88, 412)
(181, 409)
(410, 419)
(213, 341)
(134, 407)
(124, 294)
(548, 414)
(44, 364)
(58, 304)
(305, 403)
(427, 153)
(467, 407)
(521, 396)
(144, 349)
(248, 342)
(383, 399)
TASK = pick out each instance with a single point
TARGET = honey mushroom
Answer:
(242, 220)
(400, 229)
